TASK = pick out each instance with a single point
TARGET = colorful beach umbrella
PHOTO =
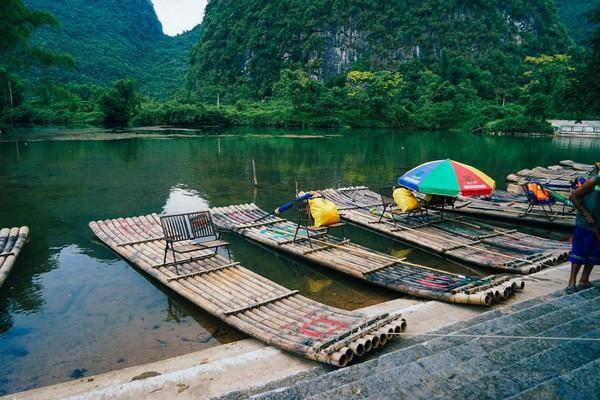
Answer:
(448, 178)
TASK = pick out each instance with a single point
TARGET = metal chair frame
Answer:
(533, 202)
(304, 220)
(190, 227)
(444, 201)
(387, 202)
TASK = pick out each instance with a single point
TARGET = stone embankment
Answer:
(463, 363)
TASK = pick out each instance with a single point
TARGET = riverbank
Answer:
(249, 366)
(480, 116)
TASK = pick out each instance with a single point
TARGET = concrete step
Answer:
(581, 383)
(482, 353)
(469, 376)
(433, 375)
(533, 370)
(424, 367)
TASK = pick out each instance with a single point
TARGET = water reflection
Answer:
(183, 199)
(577, 142)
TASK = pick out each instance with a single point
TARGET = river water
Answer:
(72, 308)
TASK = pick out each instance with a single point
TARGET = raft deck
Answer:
(11, 242)
(360, 262)
(511, 207)
(459, 238)
(555, 177)
(247, 301)
(576, 165)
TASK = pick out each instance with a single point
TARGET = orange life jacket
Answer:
(539, 192)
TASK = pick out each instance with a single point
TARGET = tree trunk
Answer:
(10, 94)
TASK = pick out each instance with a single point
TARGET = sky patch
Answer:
(178, 16)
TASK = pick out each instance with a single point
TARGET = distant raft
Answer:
(247, 301)
(458, 238)
(576, 165)
(11, 242)
(556, 177)
(511, 207)
(378, 268)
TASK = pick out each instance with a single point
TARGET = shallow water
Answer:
(72, 308)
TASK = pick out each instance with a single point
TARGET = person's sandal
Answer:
(571, 289)
(583, 286)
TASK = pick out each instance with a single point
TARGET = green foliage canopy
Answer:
(120, 103)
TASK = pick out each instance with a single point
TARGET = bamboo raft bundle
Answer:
(576, 165)
(549, 173)
(459, 238)
(361, 262)
(555, 180)
(11, 242)
(556, 177)
(512, 207)
(247, 301)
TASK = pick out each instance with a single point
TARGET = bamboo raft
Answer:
(247, 301)
(556, 177)
(11, 242)
(511, 207)
(576, 165)
(361, 262)
(458, 238)
(554, 181)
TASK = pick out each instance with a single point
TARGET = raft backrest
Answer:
(387, 194)
(303, 215)
(190, 226)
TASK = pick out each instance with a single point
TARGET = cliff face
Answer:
(112, 39)
(247, 43)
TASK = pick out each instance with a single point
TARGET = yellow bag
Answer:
(324, 212)
(405, 199)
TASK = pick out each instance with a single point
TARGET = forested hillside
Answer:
(575, 15)
(245, 44)
(490, 66)
(112, 39)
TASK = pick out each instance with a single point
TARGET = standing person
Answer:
(586, 238)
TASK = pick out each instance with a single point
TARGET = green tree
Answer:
(589, 75)
(299, 88)
(374, 91)
(549, 79)
(17, 23)
(538, 106)
(120, 102)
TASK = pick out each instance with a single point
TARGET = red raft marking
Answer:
(318, 326)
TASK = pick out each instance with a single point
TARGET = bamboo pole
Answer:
(421, 266)
(391, 286)
(368, 253)
(254, 179)
(234, 217)
(11, 243)
(219, 290)
(270, 328)
(353, 215)
(274, 331)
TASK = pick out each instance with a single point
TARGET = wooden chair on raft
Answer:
(197, 229)
(305, 221)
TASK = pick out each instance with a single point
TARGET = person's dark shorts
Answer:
(586, 247)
